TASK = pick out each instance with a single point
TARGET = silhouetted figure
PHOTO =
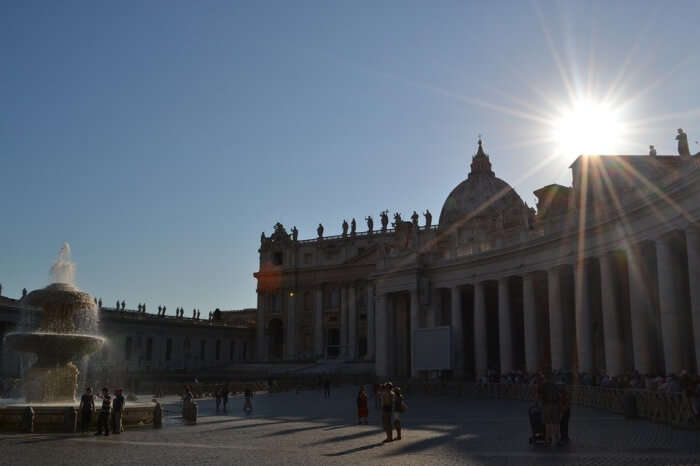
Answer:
(87, 406)
(117, 409)
(345, 228)
(103, 418)
(194, 313)
(24, 292)
(353, 227)
(652, 151)
(683, 148)
(397, 220)
(414, 219)
(295, 233)
(99, 303)
(370, 223)
(197, 314)
(123, 305)
(319, 230)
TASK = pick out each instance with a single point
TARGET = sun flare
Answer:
(588, 127)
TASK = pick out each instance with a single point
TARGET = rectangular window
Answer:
(168, 349)
(231, 350)
(149, 349)
(245, 350)
(127, 349)
(218, 350)
(308, 258)
(278, 258)
(202, 349)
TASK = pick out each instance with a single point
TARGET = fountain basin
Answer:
(54, 348)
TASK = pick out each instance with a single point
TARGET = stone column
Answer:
(318, 323)
(457, 332)
(261, 347)
(480, 341)
(530, 323)
(370, 323)
(692, 239)
(381, 364)
(584, 318)
(434, 310)
(642, 309)
(352, 322)
(505, 338)
(556, 319)
(614, 343)
(343, 322)
(291, 326)
(415, 306)
(669, 307)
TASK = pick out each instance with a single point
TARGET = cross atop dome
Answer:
(480, 162)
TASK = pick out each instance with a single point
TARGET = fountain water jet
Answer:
(67, 331)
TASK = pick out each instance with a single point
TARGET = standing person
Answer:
(399, 407)
(103, 418)
(565, 408)
(548, 394)
(327, 388)
(362, 410)
(224, 396)
(248, 405)
(117, 409)
(387, 405)
(217, 395)
(87, 406)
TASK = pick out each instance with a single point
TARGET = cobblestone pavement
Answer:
(305, 428)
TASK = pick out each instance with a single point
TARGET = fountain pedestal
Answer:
(43, 384)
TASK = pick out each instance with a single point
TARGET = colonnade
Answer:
(632, 308)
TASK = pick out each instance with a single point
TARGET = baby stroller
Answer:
(536, 425)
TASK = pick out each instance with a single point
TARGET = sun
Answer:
(588, 127)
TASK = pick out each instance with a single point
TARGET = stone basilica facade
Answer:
(603, 277)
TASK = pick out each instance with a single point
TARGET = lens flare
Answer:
(588, 127)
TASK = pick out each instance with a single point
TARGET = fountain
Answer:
(66, 332)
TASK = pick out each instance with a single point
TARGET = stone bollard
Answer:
(70, 420)
(157, 415)
(28, 420)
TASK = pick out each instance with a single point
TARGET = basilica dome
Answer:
(484, 200)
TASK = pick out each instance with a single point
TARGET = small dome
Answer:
(483, 196)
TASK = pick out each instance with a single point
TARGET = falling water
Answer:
(63, 270)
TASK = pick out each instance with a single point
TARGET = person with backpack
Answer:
(548, 395)
(399, 408)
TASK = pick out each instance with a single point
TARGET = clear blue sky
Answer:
(160, 138)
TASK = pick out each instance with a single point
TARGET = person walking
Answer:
(399, 408)
(248, 404)
(387, 396)
(362, 410)
(565, 410)
(103, 418)
(217, 395)
(87, 406)
(327, 388)
(117, 410)
(224, 396)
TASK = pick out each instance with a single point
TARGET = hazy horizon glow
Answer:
(160, 139)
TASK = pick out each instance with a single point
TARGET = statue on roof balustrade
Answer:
(345, 228)
(353, 227)
(428, 219)
(370, 223)
(683, 148)
(385, 220)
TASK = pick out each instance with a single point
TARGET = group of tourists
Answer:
(105, 421)
(221, 395)
(390, 400)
